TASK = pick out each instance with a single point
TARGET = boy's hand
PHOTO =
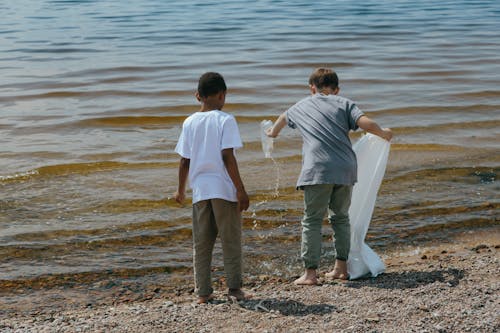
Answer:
(274, 130)
(179, 197)
(269, 132)
(243, 200)
(387, 134)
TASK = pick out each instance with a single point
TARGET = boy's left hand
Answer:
(243, 200)
(179, 197)
(387, 134)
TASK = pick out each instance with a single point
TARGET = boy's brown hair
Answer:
(324, 78)
(210, 84)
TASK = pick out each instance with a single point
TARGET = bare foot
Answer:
(309, 278)
(336, 275)
(339, 271)
(205, 299)
(238, 294)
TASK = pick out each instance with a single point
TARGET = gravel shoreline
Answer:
(453, 287)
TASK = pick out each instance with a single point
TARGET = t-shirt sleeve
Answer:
(288, 117)
(353, 114)
(231, 135)
(183, 146)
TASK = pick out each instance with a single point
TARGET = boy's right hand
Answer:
(269, 132)
(274, 130)
(243, 200)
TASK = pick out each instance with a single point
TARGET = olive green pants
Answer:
(317, 200)
(211, 218)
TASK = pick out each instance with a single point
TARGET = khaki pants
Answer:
(211, 218)
(317, 199)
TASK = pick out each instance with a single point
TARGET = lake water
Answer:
(93, 95)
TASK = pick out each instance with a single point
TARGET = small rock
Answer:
(168, 304)
(423, 308)
(373, 319)
(479, 247)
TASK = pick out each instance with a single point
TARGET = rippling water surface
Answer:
(93, 95)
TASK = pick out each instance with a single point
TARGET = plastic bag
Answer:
(267, 142)
(372, 153)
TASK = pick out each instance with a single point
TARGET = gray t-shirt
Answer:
(324, 121)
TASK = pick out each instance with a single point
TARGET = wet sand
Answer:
(448, 287)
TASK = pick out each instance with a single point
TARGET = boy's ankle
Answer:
(238, 294)
(205, 299)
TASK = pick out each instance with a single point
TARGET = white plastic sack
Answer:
(372, 153)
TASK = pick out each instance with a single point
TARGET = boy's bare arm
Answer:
(277, 127)
(180, 195)
(234, 173)
(372, 127)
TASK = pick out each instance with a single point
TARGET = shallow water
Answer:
(93, 95)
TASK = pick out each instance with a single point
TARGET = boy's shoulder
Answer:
(304, 100)
(223, 114)
(207, 114)
(337, 99)
(219, 115)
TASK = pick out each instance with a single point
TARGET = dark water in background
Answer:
(93, 94)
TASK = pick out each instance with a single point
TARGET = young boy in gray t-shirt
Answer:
(329, 167)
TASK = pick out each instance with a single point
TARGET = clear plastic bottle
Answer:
(267, 142)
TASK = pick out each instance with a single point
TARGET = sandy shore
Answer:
(452, 287)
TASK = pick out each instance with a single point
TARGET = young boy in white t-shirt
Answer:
(206, 145)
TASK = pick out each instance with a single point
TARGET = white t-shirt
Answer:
(204, 135)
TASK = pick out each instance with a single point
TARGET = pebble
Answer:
(168, 304)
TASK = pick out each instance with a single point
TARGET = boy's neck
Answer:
(327, 91)
(324, 91)
(206, 107)
(213, 102)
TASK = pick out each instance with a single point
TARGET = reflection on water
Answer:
(93, 95)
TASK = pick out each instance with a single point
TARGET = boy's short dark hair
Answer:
(324, 78)
(210, 84)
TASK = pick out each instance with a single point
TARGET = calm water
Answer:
(93, 94)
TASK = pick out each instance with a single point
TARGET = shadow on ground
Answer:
(410, 279)
(287, 307)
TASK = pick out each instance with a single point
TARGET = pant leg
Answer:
(316, 199)
(204, 236)
(228, 219)
(338, 215)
